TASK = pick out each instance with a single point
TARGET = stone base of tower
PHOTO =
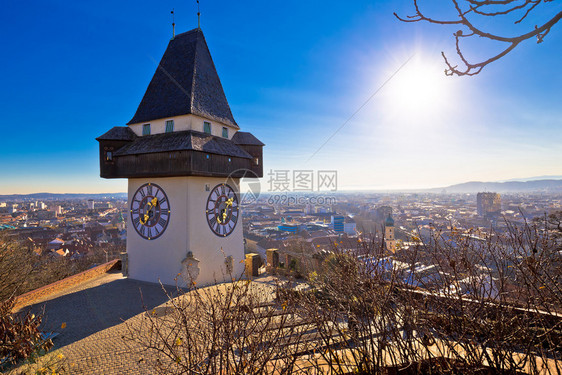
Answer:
(187, 249)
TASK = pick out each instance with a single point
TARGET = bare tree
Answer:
(467, 14)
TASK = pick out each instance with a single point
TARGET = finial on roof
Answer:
(173, 25)
(198, 16)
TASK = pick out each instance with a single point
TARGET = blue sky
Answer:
(293, 73)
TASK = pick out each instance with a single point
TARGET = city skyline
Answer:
(293, 78)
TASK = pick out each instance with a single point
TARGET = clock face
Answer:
(222, 210)
(150, 211)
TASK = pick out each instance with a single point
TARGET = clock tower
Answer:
(183, 155)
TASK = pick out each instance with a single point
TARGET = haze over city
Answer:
(294, 73)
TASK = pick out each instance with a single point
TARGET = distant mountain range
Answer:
(55, 196)
(539, 184)
(528, 186)
(537, 178)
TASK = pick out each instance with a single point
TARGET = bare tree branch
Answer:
(486, 8)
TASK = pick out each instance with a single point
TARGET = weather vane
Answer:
(198, 16)
(173, 25)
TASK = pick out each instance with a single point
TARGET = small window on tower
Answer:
(225, 132)
(146, 129)
(207, 127)
(169, 126)
(109, 156)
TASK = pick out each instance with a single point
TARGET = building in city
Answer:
(337, 223)
(350, 226)
(288, 227)
(488, 205)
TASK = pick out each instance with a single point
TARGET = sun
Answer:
(419, 90)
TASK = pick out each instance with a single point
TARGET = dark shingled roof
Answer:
(185, 82)
(118, 133)
(245, 138)
(184, 140)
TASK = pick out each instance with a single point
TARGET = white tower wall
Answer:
(161, 258)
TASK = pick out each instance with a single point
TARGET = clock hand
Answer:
(149, 207)
(223, 214)
(144, 219)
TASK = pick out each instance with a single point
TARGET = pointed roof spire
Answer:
(185, 82)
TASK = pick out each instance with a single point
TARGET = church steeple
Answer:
(185, 82)
(389, 239)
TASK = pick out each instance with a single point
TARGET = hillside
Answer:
(542, 186)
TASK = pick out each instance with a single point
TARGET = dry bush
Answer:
(491, 302)
(21, 271)
(479, 306)
(20, 336)
(234, 328)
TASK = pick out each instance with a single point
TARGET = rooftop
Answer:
(185, 82)
(183, 140)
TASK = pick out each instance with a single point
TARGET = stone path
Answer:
(97, 315)
(93, 314)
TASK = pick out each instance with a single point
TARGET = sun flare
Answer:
(419, 90)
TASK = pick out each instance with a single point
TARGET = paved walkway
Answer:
(93, 313)
(97, 315)
(95, 305)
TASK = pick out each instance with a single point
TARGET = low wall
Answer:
(29, 297)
